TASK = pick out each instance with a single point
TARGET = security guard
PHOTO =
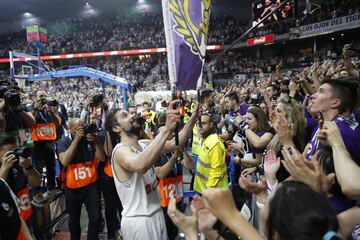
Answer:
(79, 153)
(211, 168)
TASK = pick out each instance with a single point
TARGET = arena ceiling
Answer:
(15, 10)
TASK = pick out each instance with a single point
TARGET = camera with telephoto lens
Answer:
(12, 98)
(49, 102)
(52, 102)
(90, 128)
(21, 152)
(97, 99)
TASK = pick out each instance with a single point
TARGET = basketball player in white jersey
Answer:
(134, 173)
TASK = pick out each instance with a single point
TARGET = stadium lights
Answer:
(88, 6)
(28, 15)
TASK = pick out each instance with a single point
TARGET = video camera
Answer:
(21, 152)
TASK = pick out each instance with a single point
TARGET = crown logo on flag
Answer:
(194, 35)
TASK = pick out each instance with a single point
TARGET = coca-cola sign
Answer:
(260, 40)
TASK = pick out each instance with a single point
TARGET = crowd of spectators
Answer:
(254, 150)
(234, 63)
(126, 31)
(261, 126)
(147, 73)
(336, 8)
(145, 30)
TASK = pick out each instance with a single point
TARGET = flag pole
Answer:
(199, 97)
(175, 105)
(212, 62)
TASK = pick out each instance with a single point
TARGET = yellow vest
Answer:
(196, 142)
(211, 171)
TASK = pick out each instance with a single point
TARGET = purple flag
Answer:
(186, 25)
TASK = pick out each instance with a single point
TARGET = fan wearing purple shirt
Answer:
(336, 99)
(244, 102)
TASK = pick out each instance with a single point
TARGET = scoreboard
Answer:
(36, 33)
(263, 7)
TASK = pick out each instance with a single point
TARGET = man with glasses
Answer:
(211, 168)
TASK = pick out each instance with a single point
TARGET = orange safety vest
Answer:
(25, 208)
(24, 203)
(43, 131)
(171, 187)
(107, 169)
(81, 174)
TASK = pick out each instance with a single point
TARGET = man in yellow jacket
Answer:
(211, 168)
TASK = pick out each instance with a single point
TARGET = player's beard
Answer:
(135, 128)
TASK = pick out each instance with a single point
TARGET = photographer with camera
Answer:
(94, 101)
(18, 171)
(13, 117)
(44, 135)
(79, 153)
(94, 109)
